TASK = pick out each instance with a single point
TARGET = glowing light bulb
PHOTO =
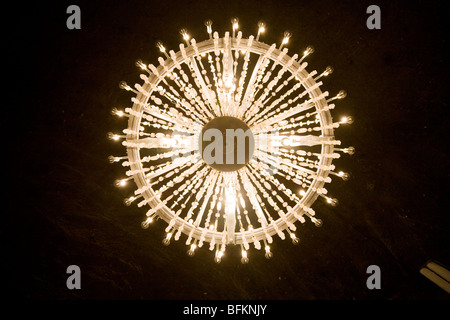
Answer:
(344, 175)
(302, 192)
(166, 240)
(346, 120)
(294, 239)
(184, 34)
(317, 222)
(208, 24)
(113, 159)
(268, 254)
(128, 201)
(120, 183)
(332, 201)
(235, 23)
(160, 46)
(113, 136)
(218, 257)
(308, 51)
(117, 112)
(286, 36)
(350, 150)
(328, 70)
(146, 223)
(244, 258)
(191, 251)
(124, 85)
(140, 64)
(261, 27)
(342, 94)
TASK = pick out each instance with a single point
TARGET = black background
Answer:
(62, 207)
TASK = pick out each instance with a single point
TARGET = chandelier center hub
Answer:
(226, 143)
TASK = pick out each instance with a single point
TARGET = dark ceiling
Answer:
(63, 209)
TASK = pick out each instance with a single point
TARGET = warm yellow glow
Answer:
(342, 94)
(208, 24)
(160, 46)
(235, 23)
(328, 71)
(141, 65)
(308, 51)
(184, 34)
(228, 82)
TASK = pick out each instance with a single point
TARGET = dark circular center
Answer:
(226, 143)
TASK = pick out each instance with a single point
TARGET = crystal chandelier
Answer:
(226, 85)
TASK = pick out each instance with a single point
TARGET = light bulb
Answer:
(113, 136)
(344, 175)
(128, 201)
(346, 120)
(160, 46)
(261, 26)
(120, 183)
(342, 94)
(317, 222)
(117, 112)
(308, 51)
(268, 254)
(124, 85)
(185, 35)
(140, 64)
(218, 257)
(332, 201)
(328, 70)
(235, 23)
(294, 239)
(350, 150)
(244, 258)
(166, 240)
(112, 159)
(208, 24)
(286, 36)
(191, 251)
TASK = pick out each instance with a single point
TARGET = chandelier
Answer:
(230, 141)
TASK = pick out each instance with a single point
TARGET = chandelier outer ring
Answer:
(256, 47)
